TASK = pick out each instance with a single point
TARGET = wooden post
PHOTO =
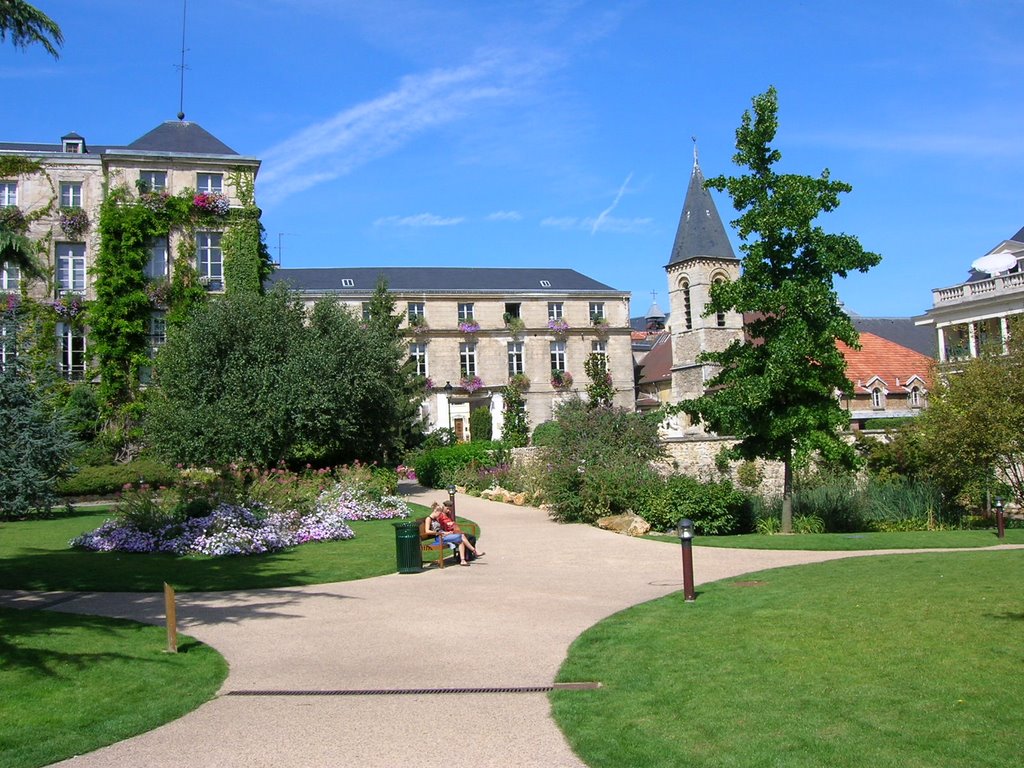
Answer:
(172, 619)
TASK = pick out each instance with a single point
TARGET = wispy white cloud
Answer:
(604, 215)
(607, 224)
(505, 216)
(27, 73)
(419, 220)
(373, 129)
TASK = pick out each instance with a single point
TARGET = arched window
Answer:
(684, 286)
(877, 398)
(915, 399)
(720, 316)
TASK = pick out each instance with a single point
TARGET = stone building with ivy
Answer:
(122, 237)
(472, 331)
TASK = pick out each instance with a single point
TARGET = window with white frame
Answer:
(599, 348)
(513, 310)
(597, 311)
(10, 277)
(418, 354)
(467, 360)
(70, 267)
(157, 332)
(465, 311)
(366, 311)
(156, 263)
(71, 350)
(558, 356)
(156, 337)
(211, 183)
(516, 361)
(210, 260)
(416, 312)
(153, 181)
(8, 350)
(71, 194)
(555, 310)
(8, 194)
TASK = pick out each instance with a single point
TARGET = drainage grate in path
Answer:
(423, 691)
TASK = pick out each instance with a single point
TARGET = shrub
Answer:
(109, 479)
(438, 467)
(716, 508)
(837, 504)
(808, 524)
(545, 433)
(480, 425)
(599, 461)
(515, 431)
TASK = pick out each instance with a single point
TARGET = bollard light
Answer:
(451, 498)
(686, 540)
(1000, 522)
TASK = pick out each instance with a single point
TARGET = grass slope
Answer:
(71, 684)
(35, 555)
(909, 661)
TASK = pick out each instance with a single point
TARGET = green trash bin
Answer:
(407, 547)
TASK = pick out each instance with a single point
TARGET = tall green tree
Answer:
(600, 392)
(973, 429)
(776, 389)
(37, 445)
(27, 26)
(515, 430)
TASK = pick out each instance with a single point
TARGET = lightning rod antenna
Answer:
(182, 67)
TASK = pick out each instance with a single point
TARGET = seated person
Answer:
(444, 527)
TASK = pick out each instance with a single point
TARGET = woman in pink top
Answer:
(448, 531)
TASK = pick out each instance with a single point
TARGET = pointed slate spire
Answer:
(700, 231)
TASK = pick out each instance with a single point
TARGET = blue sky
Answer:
(558, 133)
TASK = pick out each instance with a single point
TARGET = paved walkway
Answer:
(504, 622)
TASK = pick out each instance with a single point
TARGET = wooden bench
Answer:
(428, 543)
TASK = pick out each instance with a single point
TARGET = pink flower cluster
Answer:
(211, 202)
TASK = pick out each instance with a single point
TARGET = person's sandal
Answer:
(464, 562)
(480, 554)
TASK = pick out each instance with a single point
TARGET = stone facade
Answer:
(512, 311)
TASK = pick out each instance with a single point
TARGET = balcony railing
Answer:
(1003, 284)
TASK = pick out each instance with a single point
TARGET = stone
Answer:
(628, 523)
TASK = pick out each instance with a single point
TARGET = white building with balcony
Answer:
(973, 316)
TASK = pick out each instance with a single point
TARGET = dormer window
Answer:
(877, 399)
(914, 398)
(72, 144)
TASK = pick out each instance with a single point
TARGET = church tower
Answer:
(701, 257)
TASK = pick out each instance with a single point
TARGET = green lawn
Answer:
(909, 661)
(35, 555)
(844, 542)
(71, 684)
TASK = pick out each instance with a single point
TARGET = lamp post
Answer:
(686, 539)
(1000, 523)
(448, 396)
(451, 498)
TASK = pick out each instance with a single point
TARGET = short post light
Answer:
(1000, 522)
(451, 498)
(686, 539)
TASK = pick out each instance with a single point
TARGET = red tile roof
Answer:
(894, 364)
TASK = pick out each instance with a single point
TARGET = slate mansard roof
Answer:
(174, 137)
(439, 280)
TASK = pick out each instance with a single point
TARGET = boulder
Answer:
(627, 523)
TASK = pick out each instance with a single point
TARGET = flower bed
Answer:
(237, 529)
